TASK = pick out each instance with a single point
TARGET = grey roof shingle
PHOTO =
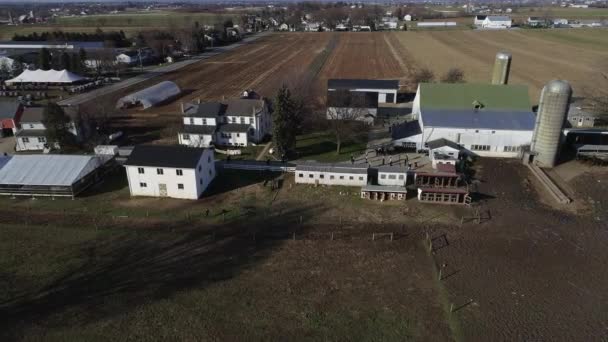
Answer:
(243, 107)
(31, 133)
(206, 110)
(406, 129)
(232, 127)
(198, 129)
(362, 84)
(392, 169)
(480, 119)
(442, 142)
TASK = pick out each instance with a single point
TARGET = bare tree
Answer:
(346, 111)
(423, 75)
(453, 75)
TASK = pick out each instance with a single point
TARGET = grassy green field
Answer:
(584, 37)
(321, 147)
(563, 12)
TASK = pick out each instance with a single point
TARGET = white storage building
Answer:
(170, 171)
(331, 174)
(158, 93)
(496, 22)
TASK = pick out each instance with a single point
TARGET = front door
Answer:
(162, 190)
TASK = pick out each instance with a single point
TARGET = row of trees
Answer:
(59, 60)
(110, 39)
(425, 75)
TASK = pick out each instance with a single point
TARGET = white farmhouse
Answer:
(485, 119)
(31, 132)
(170, 171)
(496, 22)
(331, 174)
(235, 122)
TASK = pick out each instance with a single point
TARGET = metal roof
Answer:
(442, 142)
(151, 96)
(362, 84)
(47, 169)
(165, 156)
(392, 169)
(478, 119)
(405, 130)
(466, 95)
(31, 133)
(206, 110)
(332, 168)
(4, 160)
(385, 188)
(243, 107)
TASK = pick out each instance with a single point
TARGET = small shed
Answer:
(152, 96)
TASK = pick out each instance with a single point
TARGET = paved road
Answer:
(155, 72)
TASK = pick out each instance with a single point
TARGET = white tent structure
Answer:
(151, 96)
(46, 76)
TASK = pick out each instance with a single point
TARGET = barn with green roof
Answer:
(485, 119)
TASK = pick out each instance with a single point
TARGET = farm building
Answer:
(234, 122)
(443, 151)
(31, 132)
(10, 114)
(535, 22)
(579, 117)
(12, 47)
(392, 175)
(486, 119)
(151, 96)
(496, 22)
(331, 174)
(357, 99)
(52, 175)
(478, 20)
(170, 171)
(431, 24)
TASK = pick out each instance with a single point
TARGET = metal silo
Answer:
(552, 113)
(502, 64)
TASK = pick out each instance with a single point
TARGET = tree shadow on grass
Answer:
(132, 268)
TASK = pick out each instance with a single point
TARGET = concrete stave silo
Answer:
(502, 66)
(550, 119)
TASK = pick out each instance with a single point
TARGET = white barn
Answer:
(485, 119)
(496, 22)
(170, 171)
(331, 174)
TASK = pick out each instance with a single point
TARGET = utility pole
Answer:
(141, 66)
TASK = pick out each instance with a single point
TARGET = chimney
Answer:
(198, 100)
(182, 106)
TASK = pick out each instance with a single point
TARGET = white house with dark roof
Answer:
(31, 132)
(331, 174)
(443, 151)
(392, 175)
(170, 171)
(235, 122)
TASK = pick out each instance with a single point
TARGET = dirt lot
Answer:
(538, 55)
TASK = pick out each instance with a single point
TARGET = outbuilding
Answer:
(496, 22)
(170, 171)
(52, 175)
(331, 174)
(10, 114)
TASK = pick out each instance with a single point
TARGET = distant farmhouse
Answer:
(486, 119)
(234, 122)
(170, 171)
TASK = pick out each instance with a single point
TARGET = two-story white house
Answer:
(170, 171)
(234, 122)
(31, 132)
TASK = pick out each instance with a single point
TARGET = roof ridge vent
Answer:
(477, 105)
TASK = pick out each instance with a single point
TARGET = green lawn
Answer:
(321, 147)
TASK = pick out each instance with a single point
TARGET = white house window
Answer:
(242, 120)
(331, 177)
(476, 131)
(351, 177)
(392, 176)
(186, 136)
(401, 177)
(301, 175)
(341, 177)
(159, 171)
(511, 149)
(140, 170)
(180, 186)
(360, 178)
(143, 185)
(321, 176)
(382, 176)
(26, 140)
(192, 121)
(480, 147)
(31, 126)
(238, 135)
(42, 139)
(179, 172)
(204, 121)
(311, 176)
(251, 120)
